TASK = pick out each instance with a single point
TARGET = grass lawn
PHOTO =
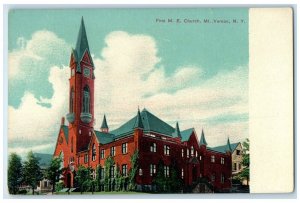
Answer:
(100, 193)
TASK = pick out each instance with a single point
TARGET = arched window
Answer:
(72, 95)
(72, 145)
(86, 100)
(94, 152)
(61, 155)
(192, 151)
(222, 178)
(153, 147)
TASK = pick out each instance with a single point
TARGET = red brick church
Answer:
(79, 143)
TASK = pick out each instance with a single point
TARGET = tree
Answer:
(133, 170)
(160, 180)
(32, 171)
(175, 180)
(98, 178)
(54, 171)
(84, 179)
(118, 179)
(246, 161)
(171, 184)
(109, 162)
(14, 173)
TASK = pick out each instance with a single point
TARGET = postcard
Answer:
(149, 101)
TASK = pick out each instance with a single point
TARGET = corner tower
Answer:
(81, 93)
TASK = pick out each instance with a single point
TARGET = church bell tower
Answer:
(81, 93)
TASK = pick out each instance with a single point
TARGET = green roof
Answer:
(234, 145)
(186, 134)
(228, 147)
(66, 132)
(82, 43)
(202, 139)
(104, 123)
(223, 148)
(75, 55)
(177, 132)
(125, 128)
(150, 123)
(104, 138)
(138, 122)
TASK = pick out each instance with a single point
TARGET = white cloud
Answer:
(32, 55)
(32, 121)
(122, 84)
(129, 74)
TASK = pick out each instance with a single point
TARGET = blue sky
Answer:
(193, 73)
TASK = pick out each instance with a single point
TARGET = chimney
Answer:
(62, 120)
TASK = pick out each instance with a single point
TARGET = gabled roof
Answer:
(186, 134)
(66, 132)
(104, 138)
(150, 123)
(193, 160)
(104, 123)
(223, 148)
(234, 145)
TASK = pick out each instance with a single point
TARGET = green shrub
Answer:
(59, 186)
(22, 192)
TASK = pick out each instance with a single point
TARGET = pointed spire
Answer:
(177, 132)
(104, 123)
(202, 139)
(138, 122)
(82, 42)
(228, 146)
